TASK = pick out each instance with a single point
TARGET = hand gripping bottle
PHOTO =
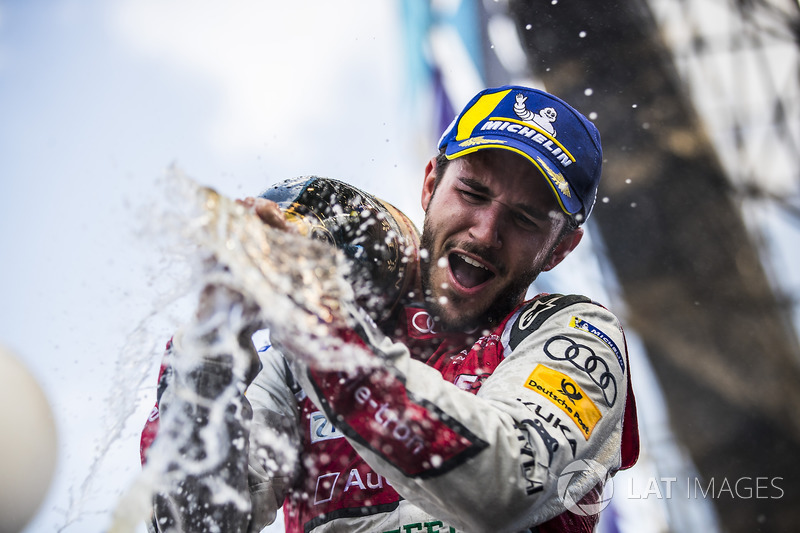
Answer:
(381, 242)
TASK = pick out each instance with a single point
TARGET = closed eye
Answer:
(472, 197)
(519, 214)
(525, 221)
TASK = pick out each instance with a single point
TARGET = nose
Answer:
(486, 226)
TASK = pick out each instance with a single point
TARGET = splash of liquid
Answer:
(293, 286)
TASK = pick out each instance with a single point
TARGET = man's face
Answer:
(490, 228)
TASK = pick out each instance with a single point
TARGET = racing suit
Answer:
(459, 433)
(501, 429)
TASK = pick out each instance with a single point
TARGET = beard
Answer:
(468, 319)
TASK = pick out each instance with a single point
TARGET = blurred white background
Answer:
(97, 100)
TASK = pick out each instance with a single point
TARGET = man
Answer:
(474, 407)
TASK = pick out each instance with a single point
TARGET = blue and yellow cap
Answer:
(559, 141)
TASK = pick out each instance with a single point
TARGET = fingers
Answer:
(271, 214)
(247, 202)
(268, 211)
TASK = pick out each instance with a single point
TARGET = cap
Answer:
(559, 141)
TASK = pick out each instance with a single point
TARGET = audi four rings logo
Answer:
(423, 322)
(583, 474)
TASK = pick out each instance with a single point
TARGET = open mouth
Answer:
(468, 272)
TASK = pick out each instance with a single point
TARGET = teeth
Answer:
(471, 261)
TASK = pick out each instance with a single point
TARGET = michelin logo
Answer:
(581, 324)
(544, 119)
(541, 130)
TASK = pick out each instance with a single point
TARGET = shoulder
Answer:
(571, 316)
(533, 314)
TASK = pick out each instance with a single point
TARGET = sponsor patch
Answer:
(583, 325)
(582, 357)
(321, 428)
(567, 395)
(325, 486)
(536, 312)
(428, 527)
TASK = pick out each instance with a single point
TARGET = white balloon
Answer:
(28, 445)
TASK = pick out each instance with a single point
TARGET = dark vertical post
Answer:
(717, 337)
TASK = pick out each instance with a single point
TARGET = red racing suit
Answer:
(502, 430)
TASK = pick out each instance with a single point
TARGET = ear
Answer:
(563, 249)
(429, 184)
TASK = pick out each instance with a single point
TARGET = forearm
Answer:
(442, 448)
(445, 449)
(209, 490)
(203, 442)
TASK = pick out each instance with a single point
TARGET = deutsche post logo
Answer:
(567, 395)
